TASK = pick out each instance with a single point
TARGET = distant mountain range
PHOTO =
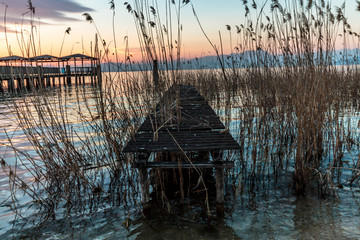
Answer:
(246, 59)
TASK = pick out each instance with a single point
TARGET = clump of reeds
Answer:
(291, 95)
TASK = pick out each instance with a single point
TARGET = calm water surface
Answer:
(273, 213)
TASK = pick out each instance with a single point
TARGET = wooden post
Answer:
(82, 71)
(68, 75)
(41, 76)
(15, 82)
(83, 79)
(11, 85)
(64, 74)
(36, 82)
(144, 180)
(18, 84)
(22, 82)
(181, 177)
(219, 174)
(1, 86)
(144, 185)
(65, 79)
(156, 74)
(59, 74)
(76, 76)
(53, 81)
(220, 200)
(92, 73)
(91, 66)
(93, 77)
(98, 71)
(48, 83)
(27, 82)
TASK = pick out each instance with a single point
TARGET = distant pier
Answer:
(19, 73)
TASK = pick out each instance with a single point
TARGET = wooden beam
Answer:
(167, 165)
(187, 140)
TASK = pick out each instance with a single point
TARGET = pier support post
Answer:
(11, 85)
(53, 81)
(98, 71)
(82, 75)
(176, 158)
(1, 86)
(20, 83)
(41, 78)
(48, 83)
(156, 74)
(219, 175)
(93, 71)
(27, 82)
(220, 200)
(144, 185)
(144, 180)
(75, 72)
(42, 81)
(36, 82)
(68, 75)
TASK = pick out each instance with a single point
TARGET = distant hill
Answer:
(246, 59)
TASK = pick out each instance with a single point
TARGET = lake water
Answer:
(268, 212)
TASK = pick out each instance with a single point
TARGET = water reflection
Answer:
(160, 229)
(255, 216)
(271, 214)
(317, 218)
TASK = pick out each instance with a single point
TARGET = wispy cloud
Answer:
(2, 29)
(46, 10)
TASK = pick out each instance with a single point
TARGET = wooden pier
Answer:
(183, 124)
(18, 73)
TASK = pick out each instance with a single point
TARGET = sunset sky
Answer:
(53, 17)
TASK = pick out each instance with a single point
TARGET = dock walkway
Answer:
(183, 123)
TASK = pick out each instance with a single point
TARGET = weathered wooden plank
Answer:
(195, 112)
(194, 127)
(188, 141)
(168, 165)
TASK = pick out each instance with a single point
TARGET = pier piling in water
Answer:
(19, 84)
(11, 84)
(48, 83)
(68, 75)
(27, 83)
